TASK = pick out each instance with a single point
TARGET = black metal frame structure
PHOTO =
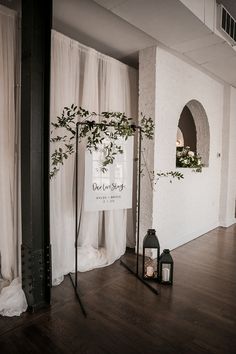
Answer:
(139, 173)
(135, 272)
(75, 281)
(35, 121)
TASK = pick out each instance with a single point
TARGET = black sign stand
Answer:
(135, 272)
(75, 282)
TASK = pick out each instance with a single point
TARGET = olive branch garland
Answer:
(97, 134)
(155, 176)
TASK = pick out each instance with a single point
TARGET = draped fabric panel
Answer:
(12, 299)
(98, 83)
(8, 162)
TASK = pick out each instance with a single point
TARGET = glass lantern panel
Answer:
(150, 263)
(166, 269)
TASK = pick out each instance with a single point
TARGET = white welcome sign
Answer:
(111, 189)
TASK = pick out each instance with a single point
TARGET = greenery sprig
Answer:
(171, 174)
(155, 176)
(100, 131)
(111, 127)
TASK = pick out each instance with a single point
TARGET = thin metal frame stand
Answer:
(136, 271)
(75, 282)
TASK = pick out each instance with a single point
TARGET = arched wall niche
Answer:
(200, 129)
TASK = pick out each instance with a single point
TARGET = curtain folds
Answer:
(8, 194)
(98, 83)
(12, 299)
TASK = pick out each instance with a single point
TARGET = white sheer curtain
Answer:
(96, 82)
(12, 299)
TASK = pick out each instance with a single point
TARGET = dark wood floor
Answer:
(197, 315)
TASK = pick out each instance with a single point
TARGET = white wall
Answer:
(185, 209)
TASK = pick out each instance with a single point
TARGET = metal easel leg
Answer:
(75, 282)
(136, 273)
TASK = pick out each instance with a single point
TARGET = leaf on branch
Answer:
(113, 125)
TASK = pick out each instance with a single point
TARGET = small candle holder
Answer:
(151, 252)
(166, 266)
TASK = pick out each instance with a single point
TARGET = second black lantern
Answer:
(151, 254)
(166, 265)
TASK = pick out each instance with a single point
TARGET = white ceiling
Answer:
(120, 28)
(174, 25)
(92, 25)
(165, 20)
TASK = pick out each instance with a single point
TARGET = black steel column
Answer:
(35, 104)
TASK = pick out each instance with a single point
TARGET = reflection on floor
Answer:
(196, 315)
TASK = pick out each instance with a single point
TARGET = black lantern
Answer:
(151, 253)
(166, 265)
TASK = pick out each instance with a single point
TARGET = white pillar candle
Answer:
(150, 271)
(165, 274)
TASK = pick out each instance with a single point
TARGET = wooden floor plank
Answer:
(196, 315)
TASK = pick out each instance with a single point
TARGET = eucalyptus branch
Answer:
(99, 130)
(155, 176)
(171, 174)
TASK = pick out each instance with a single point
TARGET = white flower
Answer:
(191, 153)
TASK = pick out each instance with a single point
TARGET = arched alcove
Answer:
(194, 126)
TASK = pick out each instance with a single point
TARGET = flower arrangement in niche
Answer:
(187, 158)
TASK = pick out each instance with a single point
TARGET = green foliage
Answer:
(111, 127)
(98, 130)
(155, 176)
(171, 174)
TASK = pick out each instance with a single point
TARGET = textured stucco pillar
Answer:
(147, 106)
